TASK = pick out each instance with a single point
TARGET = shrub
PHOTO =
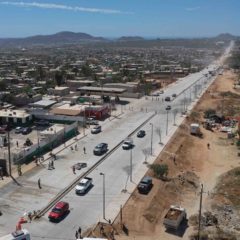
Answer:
(159, 170)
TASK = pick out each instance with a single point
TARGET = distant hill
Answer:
(225, 37)
(54, 39)
(130, 38)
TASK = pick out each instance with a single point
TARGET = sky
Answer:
(115, 18)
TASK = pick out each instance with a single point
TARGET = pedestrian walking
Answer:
(54, 157)
(39, 183)
(71, 148)
(35, 160)
(80, 232)
(73, 169)
(208, 145)
(75, 147)
(17, 144)
(76, 234)
(19, 170)
(84, 150)
(52, 164)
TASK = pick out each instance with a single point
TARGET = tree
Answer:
(59, 78)
(175, 112)
(147, 153)
(86, 70)
(160, 170)
(159, 132)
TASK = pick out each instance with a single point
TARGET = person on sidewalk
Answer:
(84, 150)
(80, 232)
(39, 183)
(76, 234)
(73, 169)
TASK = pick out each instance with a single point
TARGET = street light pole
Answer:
(151, 137)
(9, 155)
(167, 124)
(103, 194)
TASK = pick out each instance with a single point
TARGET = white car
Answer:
(83, 185)
(96, 129)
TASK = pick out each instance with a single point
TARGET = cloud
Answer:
(64, 7)
(190, 9)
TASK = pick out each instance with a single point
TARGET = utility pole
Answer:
(103, 194)
(151, 137)
(9, 155)
(200, 212)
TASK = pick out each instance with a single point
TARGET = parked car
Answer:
(42, 123)
(59, 211)
(168, 99)
(92, 121)
(96, 129)
(26, 130)
(168, 107)
(127, 144)
(18, 130)
(145, 185)
(161, 92)
(3, 129)
(100, 149)
(141, 133)
(83, 185)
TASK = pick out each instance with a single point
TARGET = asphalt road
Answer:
(86, 210)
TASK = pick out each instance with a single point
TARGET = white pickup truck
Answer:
(83, 185)
(174, 217)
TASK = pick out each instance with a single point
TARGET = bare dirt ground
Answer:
(195, 164)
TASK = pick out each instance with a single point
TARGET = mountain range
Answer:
(75, 38)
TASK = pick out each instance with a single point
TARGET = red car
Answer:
(59, 211)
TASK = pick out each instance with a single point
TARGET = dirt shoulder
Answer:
(194, 164)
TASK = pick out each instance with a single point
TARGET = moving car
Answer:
(26, 130)
(145, 185)
(100, 149)
(141, 133)
(168, 107)
(83, 185)
(168, 99)
(96, 129)
(127, 144)
(59, 211)
(174, 95)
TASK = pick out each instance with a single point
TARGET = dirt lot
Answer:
(194, 164)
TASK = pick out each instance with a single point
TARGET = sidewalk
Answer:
(28, 167)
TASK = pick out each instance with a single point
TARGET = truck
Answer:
(174, 217)
(83, 185)
(195, 129)
(22, 234)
